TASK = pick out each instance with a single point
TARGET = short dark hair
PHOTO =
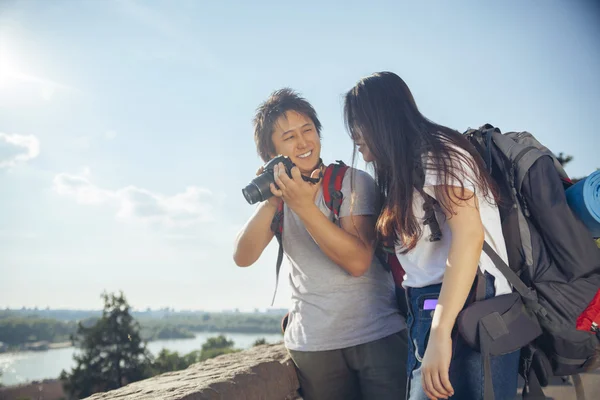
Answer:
(278, 103)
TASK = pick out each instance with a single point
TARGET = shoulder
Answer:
(358, 175)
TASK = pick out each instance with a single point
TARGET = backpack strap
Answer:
(429, 204)
(332, 187)
(277, 228)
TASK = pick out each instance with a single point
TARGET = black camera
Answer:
(259, 190)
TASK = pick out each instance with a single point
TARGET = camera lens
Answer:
(251, 193)
(258, 189)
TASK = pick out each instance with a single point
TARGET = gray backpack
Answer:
(554, 263)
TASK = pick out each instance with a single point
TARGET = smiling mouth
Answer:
(305, 155)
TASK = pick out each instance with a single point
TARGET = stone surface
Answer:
(262, 372)
(49, 389)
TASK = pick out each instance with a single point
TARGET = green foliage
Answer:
(217, 322)
(158, 332)
(15, 331)
(19, 327)
(168, 361)
(260, 341)
(112, 352)
(217, 342)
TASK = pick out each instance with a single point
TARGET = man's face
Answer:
(295, 136)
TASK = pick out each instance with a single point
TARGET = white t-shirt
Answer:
(426, 263)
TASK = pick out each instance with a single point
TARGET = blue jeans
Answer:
(466, 367)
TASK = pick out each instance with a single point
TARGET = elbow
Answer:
(474, 235)
(359, 267)
(242, 261)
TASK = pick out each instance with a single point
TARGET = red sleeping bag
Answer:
(589, 320)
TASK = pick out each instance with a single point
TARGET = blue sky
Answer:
(126, 137)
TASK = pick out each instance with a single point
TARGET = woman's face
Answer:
(364, 150)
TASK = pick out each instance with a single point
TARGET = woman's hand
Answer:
(436, 365)
(295, 191)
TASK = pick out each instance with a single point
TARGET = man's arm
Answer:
(350, 246)
(254, 236)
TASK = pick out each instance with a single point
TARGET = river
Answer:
(29, 366)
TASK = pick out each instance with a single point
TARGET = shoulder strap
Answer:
(429, 204)
(277, 228)
(332, 187)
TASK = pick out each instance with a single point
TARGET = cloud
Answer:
(15, 149)
(132, 204)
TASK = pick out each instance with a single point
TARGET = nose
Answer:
(301, 142)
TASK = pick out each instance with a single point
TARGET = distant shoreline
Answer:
(45, 346)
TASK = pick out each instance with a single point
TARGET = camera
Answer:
(258, 189)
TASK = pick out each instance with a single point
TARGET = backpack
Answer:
(551, 255)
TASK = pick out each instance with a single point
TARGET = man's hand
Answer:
(295, 191)
(274, 200)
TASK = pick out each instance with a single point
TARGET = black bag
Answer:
(498, 325)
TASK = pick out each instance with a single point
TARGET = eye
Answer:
(288, 138)
(308, 130)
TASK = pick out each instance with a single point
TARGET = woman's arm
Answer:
(461, 269)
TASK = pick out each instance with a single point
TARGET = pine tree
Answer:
(112, 353)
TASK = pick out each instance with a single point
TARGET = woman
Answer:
(439, 207)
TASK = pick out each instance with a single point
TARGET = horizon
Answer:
(126, 135)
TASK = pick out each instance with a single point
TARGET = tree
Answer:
(563, 159)
(215, 346)
(168, 361)
(112, 352)
(260, 341)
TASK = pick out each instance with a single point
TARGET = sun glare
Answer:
(9, 69)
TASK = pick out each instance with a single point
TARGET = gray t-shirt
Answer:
(331, 309)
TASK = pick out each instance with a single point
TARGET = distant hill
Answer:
(21, 328)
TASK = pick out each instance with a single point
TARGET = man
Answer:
(344, 331)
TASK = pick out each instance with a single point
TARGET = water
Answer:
(38, 365)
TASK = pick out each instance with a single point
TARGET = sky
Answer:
(126, 126)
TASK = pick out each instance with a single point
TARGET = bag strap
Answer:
(527, 293)
(332, 187)
(277, 228)
(485, 343)
(532, 390)
(429, 204)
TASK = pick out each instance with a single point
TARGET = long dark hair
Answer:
(381, 111)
